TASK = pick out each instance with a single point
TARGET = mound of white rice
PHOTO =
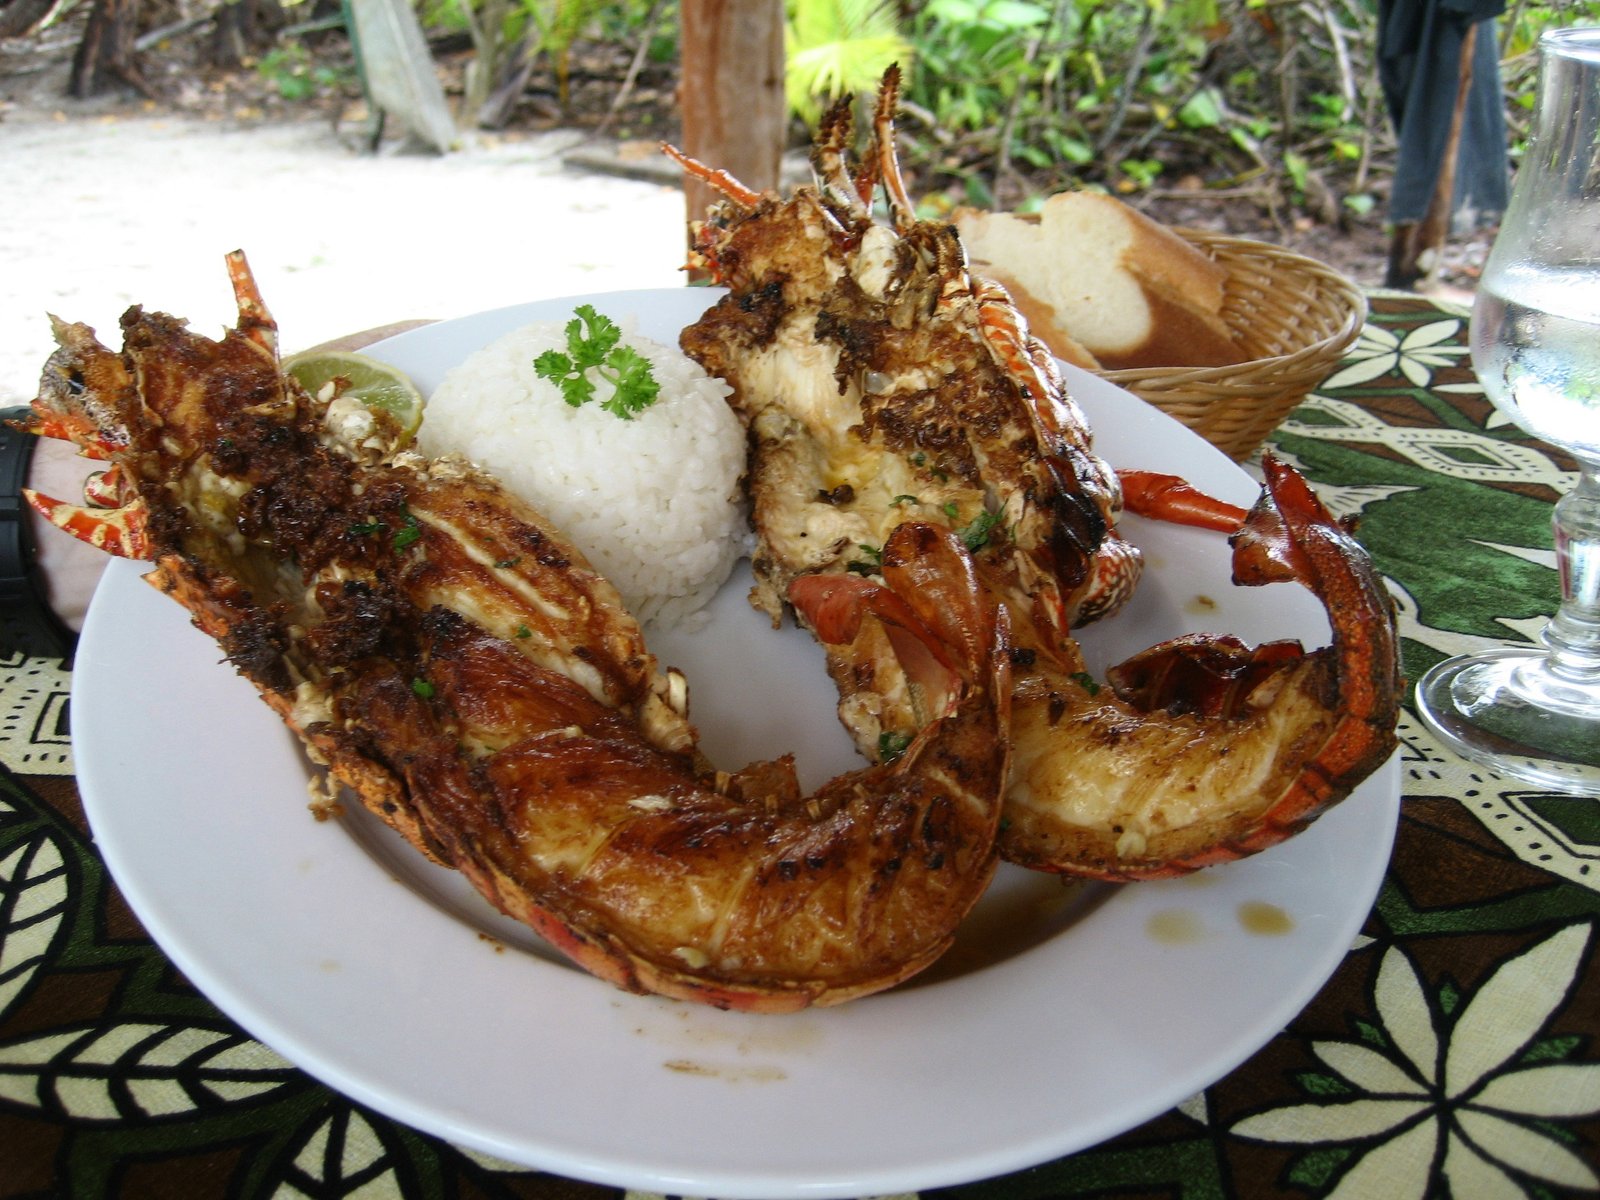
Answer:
(654, 501)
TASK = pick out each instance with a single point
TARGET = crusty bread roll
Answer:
(1090, 272)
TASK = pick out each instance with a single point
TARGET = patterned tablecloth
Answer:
(1455, 1052)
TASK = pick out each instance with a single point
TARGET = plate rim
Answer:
(954, 1166)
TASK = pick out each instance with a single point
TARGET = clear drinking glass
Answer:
(1526, 711)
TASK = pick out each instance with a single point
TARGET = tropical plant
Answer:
(295, 75)
(1276, 99)
(1014, 96)
(507, 35)
(1520, 29)
(836, 48)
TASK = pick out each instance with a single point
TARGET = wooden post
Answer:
(106, 48)
(731, 95)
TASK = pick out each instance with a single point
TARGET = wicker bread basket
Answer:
(1294, 318)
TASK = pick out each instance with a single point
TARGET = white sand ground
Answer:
(100, 212)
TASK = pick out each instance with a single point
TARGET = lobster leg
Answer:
(255, 322)
(106, 489)
(901, 211)
(63, 429)
(119, 531)
(720, 180)
(854, 196)
(1173, 499)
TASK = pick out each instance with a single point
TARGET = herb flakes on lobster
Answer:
(881, 379)
(454, 661)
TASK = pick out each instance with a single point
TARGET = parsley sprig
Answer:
(871, 562)
(410, 530)
(594, 348)
(975, 534)
(892, 745)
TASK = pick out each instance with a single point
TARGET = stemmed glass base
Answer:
(1505, 710)
(1533, 712)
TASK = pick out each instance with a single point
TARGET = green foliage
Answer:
(507, 33)
(838, 48)
(1297, 169)
(1058, 79)
(1523, 23)
(1140, 172)
(1360, 204)
(295, 76)
(1013, 98)
(1520, 30)
(972, 56)
(1009, 100)
(1204, 110)
(627, 22)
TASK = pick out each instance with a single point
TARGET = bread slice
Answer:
(1041, 318)
(1088, 270)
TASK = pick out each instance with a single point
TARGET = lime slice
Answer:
(376, 384)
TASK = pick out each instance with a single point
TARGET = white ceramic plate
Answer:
(1065, 1015)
